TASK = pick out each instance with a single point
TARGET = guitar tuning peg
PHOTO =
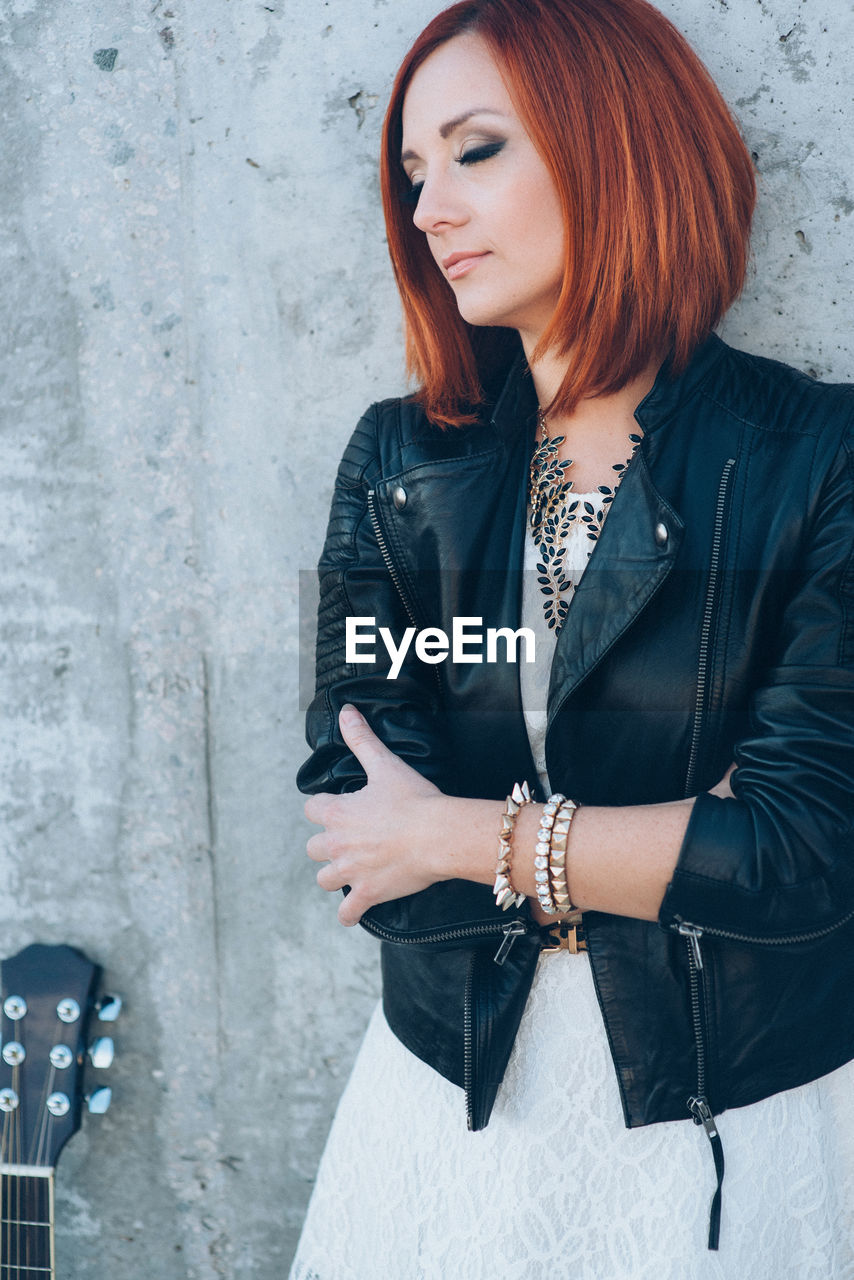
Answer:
(108, 1008)
(99, 1101)
(102, 1051)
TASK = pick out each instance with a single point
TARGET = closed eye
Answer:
(473, 156)
(484, 152)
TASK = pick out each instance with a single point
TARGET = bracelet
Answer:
(559, 889)
(542, 851)
(505, 895)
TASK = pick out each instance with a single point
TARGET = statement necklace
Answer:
(554, 511)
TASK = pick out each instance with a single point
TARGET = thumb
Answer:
(368, 749)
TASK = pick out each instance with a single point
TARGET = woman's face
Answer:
(485, 199)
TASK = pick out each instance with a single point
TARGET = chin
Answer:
(480, 314)
(485, 312)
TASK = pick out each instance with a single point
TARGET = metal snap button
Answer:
(661, 534)
(398, 497)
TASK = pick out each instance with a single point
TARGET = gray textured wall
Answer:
(197, 307)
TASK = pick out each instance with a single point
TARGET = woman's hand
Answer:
(400, 833)
(377, 840)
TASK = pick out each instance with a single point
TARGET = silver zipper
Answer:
(706, 630)
(468, 1042)
(510, 929)
(701, 1112)
(698, 1106)
(389, 563)
(694, 932)
(692, 936)
(393, 574)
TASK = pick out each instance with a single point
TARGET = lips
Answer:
(460, 264)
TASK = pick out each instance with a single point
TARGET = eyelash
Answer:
(475, 156)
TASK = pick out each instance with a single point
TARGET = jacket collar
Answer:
(670, 392)
(517, 401)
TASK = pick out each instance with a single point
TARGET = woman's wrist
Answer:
(618, 860)
(467, 840)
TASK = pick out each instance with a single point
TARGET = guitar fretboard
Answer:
(26, 1226)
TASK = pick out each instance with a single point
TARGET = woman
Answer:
(568, 205)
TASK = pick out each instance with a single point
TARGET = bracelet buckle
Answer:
(565, 935)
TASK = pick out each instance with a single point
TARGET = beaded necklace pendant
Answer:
(554, 510)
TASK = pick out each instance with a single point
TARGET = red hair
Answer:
(656, 185)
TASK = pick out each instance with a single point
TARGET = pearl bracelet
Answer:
(505, 895)
(542, 852)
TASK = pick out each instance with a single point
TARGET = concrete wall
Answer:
(197, 307)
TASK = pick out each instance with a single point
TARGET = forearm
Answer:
(619, 860)
(399, 834)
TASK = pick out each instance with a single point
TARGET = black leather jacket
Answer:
(714, 622)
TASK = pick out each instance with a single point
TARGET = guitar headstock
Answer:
(48, 1002)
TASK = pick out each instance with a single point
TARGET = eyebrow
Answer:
(446, 129)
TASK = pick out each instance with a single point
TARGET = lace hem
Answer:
(556, 1180)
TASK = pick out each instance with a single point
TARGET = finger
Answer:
(315, 807)
(371, 753)
(330, 879)
(351, 910)
(317, 847)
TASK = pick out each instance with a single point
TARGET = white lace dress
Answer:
(556, 1185)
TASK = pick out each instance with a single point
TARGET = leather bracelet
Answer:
(542, 852)
(558, 887)
(505, 895)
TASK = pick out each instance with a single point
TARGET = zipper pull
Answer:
(512, 930)
(702, 1113)
(693, 934)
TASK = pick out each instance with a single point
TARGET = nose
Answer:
(438, 206)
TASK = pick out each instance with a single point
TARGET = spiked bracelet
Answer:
(558, 888)
(505, 895)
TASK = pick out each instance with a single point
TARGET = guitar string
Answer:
(16, 1085)
(6, 1184)
(41, 1134)
(3, 1191)
(8, 1153)
(11, 1140)
(19, 1120)
(16, 1157)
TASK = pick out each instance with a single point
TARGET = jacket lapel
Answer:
(637, 548)
(635, 553)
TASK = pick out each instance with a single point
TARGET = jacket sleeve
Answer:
(777, 861)
(355, 581)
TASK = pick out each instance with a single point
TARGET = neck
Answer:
(593, 412)
(26, 1231)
